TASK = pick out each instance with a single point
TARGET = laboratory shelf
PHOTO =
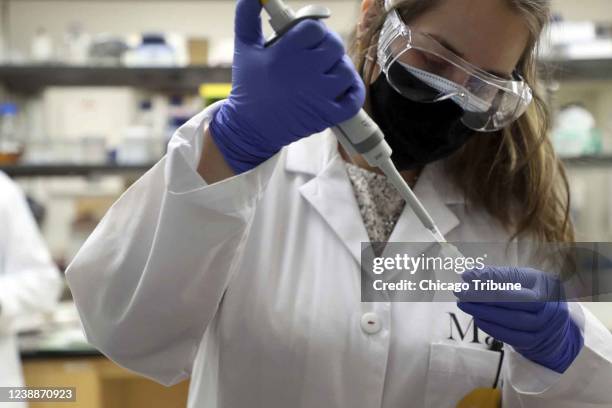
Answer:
(579, 69)
(589, 161)
(32, 78)
(59, 170)
(72, 170)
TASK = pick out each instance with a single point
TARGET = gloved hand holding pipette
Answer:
(300, 85)
(535, 320)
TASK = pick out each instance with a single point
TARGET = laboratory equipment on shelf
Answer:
(140, 144)
(180, 110)
(153, 51)
(76, 45)
(11, 144)
(575, 132)
(107, 50)
(214, 92)
(41, 49)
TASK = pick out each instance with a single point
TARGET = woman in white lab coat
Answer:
(235, 260)
(29, 280)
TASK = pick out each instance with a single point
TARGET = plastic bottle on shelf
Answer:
(178, 115)
(76, 45)
(140, 144)
(145, 115)
(11, 147)
(42, 47)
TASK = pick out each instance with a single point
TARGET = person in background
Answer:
(29, 280)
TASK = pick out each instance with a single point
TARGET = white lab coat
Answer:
(251, 287)
(29, 280)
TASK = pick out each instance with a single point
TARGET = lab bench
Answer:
(99, 382)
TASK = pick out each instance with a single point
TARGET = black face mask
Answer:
(418, 133)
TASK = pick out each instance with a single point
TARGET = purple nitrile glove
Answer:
(534, 320)
(300, 85)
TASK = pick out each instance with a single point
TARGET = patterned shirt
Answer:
(380, 204)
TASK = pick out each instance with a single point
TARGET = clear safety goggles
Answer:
(423, 70)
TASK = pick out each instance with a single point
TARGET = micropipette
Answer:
(358, 135)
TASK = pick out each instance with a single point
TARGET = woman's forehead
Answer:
(487, 33)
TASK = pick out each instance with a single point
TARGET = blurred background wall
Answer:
(213, 19)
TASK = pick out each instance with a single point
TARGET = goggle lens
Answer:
(486, 108)
(421, 69)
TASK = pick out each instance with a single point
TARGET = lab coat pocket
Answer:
(455, 370)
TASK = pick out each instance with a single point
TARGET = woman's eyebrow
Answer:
(448, 46)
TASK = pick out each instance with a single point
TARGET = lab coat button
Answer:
(370, 323)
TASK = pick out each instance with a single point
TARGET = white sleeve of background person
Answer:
(150, 277)
(29, 280)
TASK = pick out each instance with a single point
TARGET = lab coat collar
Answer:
(331, 194)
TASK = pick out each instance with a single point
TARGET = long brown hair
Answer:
(513, 174)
